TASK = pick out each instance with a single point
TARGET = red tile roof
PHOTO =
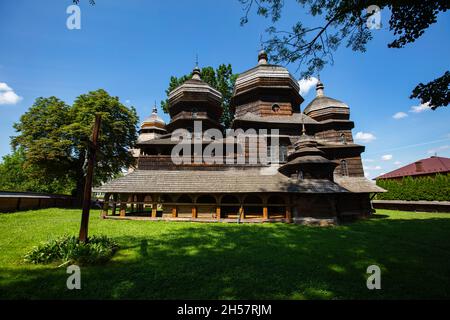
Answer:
(421, 167)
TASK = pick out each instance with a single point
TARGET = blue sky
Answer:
(132, 48)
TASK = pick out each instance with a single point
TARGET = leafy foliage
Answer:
(435, 92)
(17, 175)
(221, 79)
(344, 21)
(414, 189)
(55, 137)
(98, 249)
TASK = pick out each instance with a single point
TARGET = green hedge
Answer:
(413, 189)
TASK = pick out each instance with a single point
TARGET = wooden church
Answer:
(315, 175)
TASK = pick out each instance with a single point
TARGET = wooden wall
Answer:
(29, 202)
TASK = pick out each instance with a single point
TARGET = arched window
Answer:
(343, 138)
(275, 107)
(300, 175)
(206, 199)
(184, 199)
(344, 168)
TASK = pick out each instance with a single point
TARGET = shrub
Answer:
(413, 189)
(98, 249)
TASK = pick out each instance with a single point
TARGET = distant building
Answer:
(425, 167)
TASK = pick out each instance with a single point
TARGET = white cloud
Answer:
(368, 160)
(371, 168)
(420, 108)
(438, 149)
(307, 84)
(364, 137)
(386, 157)
(397, 163)
(127, 101)
(399, 115)
(7, 95)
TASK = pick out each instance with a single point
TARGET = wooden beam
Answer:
(174, 212)
(194, 212)
(114, 206)
(288, 214)
(105, 205)
(265, 213)
(218, 213)
(123, 207)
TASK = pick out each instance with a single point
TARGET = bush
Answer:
(413, 189)
(98, 249)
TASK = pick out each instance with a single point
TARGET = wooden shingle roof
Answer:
(221, 181)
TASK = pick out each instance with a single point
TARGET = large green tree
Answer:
(311, 47)
(17, 175)
(221, 79)
(55, 137)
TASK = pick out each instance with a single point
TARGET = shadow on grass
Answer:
(276, 261)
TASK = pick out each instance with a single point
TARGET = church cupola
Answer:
(324, 108)
(152, 126)
(266, 90)
(195, 100)
(307, 161)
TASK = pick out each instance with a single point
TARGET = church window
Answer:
(344, 168)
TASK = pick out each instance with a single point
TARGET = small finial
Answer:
(319, 88)
(262, 55)
(155, 108)
(303, 129)
(196, 72)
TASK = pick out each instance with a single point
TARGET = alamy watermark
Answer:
(74, 20)
(374, 280)
(74, 280)
(374, 19)
(237, 147)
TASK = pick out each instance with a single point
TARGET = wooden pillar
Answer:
(265, 212)
(194, 212)
(174, 212)
(218, 212)
(140, 206)
(288, 213)
(114, 204)
(241, 212)
(133, 200)
(154, 205)
(123, 206)
(130, 200)
(105, 205)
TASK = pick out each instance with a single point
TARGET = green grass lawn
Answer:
(176, 260)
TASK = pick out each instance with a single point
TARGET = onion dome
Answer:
(262, 57)
(195, 100)
(154, 121)
(323, 107)
(307, 161)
